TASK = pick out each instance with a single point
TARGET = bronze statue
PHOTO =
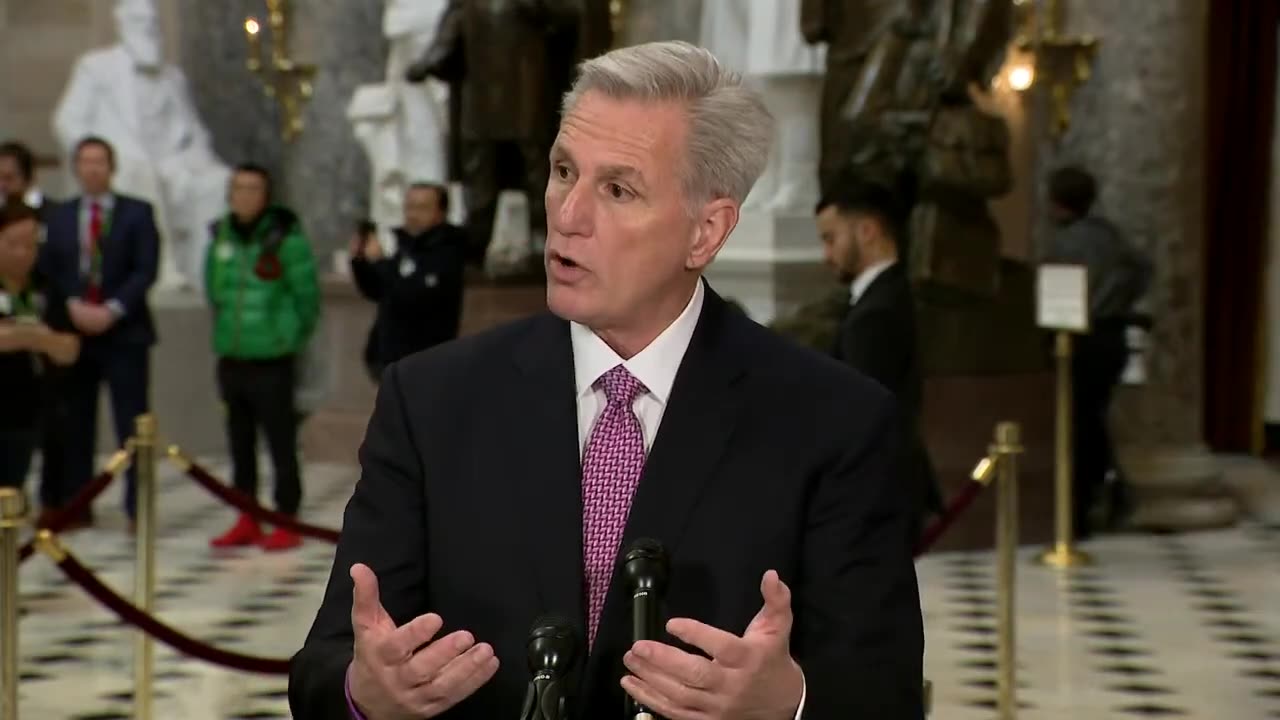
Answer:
(897, 109)
(508, 62)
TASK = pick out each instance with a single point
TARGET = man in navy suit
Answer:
(102, 251)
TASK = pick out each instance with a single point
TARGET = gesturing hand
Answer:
(392, 677)
(747, 678)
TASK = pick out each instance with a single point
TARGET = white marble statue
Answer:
(762, 40)
(129, 96)
(402, 126)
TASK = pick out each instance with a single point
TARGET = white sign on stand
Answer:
(1062, 297)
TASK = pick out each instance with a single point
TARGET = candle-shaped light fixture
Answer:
(251, 30)
(283, 78)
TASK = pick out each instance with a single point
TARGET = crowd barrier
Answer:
(998, 466)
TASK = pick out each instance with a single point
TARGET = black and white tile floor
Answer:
(1162, 627)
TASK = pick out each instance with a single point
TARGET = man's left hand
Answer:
(752, 677)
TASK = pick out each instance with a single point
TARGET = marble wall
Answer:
(1138, 125)
(323, 174)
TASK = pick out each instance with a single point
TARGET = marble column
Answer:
(1139, 126)
(323, 174)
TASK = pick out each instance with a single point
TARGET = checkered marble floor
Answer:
(1161, 627)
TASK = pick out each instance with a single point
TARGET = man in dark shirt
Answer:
(419, 287)
(35, 332)
(1118, 276)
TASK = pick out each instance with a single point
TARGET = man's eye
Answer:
(562, 171)
(617, 192)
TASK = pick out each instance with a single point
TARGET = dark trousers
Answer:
(125, 368)
(260, 394)
(16, 448)
(53, 445)
(1097, 364)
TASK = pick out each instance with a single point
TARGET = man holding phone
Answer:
(418, 287)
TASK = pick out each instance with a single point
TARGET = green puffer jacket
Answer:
(263, 289)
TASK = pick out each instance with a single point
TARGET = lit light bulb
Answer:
(1021, 77)
(251, 26)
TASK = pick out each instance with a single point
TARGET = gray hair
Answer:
(729, 128)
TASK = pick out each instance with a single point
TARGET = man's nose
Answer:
(576, 210)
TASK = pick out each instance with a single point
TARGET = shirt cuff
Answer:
(804, 694)
(356, 715)
(116, 307)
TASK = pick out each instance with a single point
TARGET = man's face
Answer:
(93, 169)
(11, 180)
(621, 243)
(18, 248)
(247, 195)
(842, 234)
(421, 210)
(139, 30)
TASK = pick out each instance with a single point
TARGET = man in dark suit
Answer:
(102, 250)
(505, 473)
(419, 287)
(859, 224)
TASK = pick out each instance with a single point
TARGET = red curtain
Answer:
(1240, 106)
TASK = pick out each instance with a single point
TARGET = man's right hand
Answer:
(393, 676)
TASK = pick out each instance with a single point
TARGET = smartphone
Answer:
(366, 228)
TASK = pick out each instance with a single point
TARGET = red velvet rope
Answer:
(185, 645)
(943, 522)
(78, 505)
(246, 505)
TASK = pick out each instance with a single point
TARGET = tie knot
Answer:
(620, 386)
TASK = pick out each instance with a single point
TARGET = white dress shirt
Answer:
(866, 277)
(655, 366)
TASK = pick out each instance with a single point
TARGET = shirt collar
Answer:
(106, 200)
(655, 366)
(866, 277)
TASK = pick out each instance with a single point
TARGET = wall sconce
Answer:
(283, 79)
(1056, 61)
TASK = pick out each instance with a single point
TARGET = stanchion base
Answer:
(1062, 556)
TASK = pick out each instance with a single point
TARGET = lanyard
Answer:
(95, 246)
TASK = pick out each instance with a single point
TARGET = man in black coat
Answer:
(504, 475)
(418, 288)
(860, 224)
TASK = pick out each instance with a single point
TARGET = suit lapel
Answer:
(544, 465)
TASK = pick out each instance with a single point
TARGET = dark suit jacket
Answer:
(130, 260)
(416, 309)
(768, 456)
(877, 337)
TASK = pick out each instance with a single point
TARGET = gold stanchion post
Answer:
(13, 515)
(144, 574)
(1064, 553)
(1006, 448)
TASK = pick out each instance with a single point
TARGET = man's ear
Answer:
(716, 220)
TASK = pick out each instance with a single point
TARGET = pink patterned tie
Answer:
(610, 471)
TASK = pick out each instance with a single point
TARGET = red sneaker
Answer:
(245, 532)
(280, 539)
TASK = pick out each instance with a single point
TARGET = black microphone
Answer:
(554, 644)
(646, 568)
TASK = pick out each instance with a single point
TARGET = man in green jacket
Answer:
(260, 278)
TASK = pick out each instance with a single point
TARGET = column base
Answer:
(1177, 489)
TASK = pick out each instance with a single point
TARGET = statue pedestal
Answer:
(1177, 488)
(770, 264)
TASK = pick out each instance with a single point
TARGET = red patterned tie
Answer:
(93, 291)
(610, 471)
